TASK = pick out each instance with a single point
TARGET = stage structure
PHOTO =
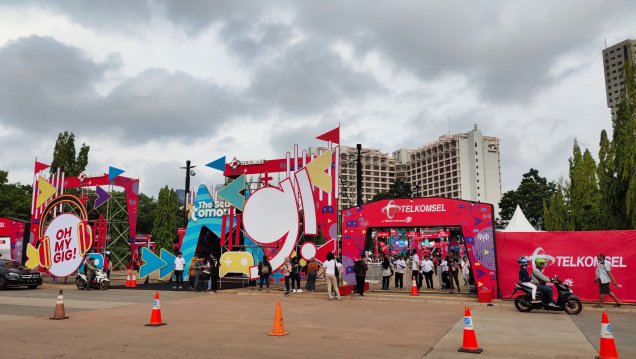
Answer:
(249, 218)
(111, 230)
(474, 218)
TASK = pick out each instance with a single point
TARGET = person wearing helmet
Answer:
(524, 278)
(541, 280)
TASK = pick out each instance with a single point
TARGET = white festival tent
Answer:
(519, 223)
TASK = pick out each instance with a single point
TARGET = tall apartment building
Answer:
(614, 59)
(462, 166)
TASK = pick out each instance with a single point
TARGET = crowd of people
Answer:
(206, 271)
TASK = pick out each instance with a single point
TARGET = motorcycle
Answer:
(566, 300)
(100, 281)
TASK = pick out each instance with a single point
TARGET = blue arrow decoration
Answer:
(218, 164)
(102, 196)
(114, 172)
(232, 193)
(168, 258)
(151, 264)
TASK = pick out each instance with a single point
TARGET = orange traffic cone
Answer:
(128, 281)
(470, 340)
(608, 347)
(155, 316)
(133, 282)
(278, 329)
(414, 291)
(59, 308)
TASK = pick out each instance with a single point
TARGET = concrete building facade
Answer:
(462, 166)
(614, 59)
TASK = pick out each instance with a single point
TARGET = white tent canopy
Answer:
(519, 222)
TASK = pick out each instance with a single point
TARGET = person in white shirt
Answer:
(415, 267)
(603, 277)
(330, 266)
(400, 266)
(428, 268)
(466, 270)
(179, 264)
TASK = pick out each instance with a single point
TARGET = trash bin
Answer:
(484, 295)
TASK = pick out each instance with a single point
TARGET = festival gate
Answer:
(474, 218)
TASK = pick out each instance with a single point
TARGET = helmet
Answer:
(540, 261)
(522, 260)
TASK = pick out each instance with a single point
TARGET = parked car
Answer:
(13, 274)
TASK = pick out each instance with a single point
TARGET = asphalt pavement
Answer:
(234, 323)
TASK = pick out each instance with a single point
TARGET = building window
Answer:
(475, 144)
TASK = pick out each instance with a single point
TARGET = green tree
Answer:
(146, 213)
(556, 212)
(164, 229)
(530, 195)
(612, 206)
(398, 189)
(15, 198)
(585, 196)
(64, 155)
(624, 141)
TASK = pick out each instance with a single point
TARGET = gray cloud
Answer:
(49, 87)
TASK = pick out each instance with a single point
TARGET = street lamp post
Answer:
(189, 172)
(359, 175)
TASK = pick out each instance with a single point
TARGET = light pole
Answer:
(189, 172)
(359, 175)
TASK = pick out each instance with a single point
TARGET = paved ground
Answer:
(233, 323)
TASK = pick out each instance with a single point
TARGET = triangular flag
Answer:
(316, 170)
(46, 191)
(231, 193)
(39, 166)
(114, 172)
(218, 164)
(333, 135)
(102, 196)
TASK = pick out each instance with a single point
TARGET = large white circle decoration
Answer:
(63, 244)
(271, 215)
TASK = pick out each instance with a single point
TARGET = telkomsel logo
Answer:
(391, 209)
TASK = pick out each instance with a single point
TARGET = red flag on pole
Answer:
(39, 166)
(333, 136)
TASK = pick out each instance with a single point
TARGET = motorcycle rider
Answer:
(541, 279)
(524, 278)
(91, 269)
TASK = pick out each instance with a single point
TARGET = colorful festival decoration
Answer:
(474, 218)
(65, 240)
(266, 217)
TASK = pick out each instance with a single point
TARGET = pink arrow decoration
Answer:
(102, 196)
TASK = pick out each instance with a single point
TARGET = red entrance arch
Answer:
(474, 218)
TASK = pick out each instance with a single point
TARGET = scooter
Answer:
(566, 300)
(100, 281)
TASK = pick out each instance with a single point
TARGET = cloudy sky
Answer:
(151, 84)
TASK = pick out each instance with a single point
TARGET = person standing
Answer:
(312, 274)
(400, 266)
(192, 274)
(387, 271)
(443, 274)
(340, 270)
(264, 271)
(466, 271)
(198, 272)
(428, 269)
(360, 269)
(330, 267)
(415, 267)
(295, 275)
(287, 269)
(215, 267)
(453, 272)
(604, 277)
(179, 264)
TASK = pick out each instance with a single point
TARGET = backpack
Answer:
(336, 271)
